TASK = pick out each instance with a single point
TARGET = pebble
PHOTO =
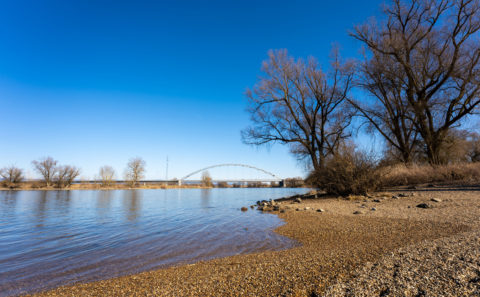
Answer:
(358, 212)
(307, 208)
(320, 210)
(423, 205)
(298, 200)
(376, 200)
(436, 200)
(244, 209)
(373, 209)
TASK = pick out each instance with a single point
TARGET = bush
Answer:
(349, 171)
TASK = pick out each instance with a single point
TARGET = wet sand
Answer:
(336, 246)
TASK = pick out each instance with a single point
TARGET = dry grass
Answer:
(400, 175)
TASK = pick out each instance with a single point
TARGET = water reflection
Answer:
(62, 201)
(9, 200)
(41, 206)
(205, 195)
(104, 202)
(131, 204)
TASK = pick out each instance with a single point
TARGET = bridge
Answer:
(274, 178)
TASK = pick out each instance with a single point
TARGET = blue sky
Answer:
(95, 83)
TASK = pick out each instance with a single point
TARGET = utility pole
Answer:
(166, 171)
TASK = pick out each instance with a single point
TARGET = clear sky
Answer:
(94, 83)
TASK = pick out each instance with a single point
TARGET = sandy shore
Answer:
(395, 250)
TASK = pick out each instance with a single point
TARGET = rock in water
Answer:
(423, 205)
(244, 209)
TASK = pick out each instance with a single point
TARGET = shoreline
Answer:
(84, 187)
(334, 245)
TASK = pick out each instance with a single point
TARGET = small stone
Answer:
(394, 197)
(373, 209)
(358, 212)
(402, 195)
(298, 209)
(252, 206)
(298, 200)
(244, 209)
(320, 210)
(423, 205)
(376, 200)
(307, 208)
(436, 200)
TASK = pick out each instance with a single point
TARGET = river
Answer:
(53, 238)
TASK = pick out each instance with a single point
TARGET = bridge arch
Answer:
(231, 165)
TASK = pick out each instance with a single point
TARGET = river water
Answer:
(53, 238)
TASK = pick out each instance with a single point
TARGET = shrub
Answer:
(349, 172)
(12, 176)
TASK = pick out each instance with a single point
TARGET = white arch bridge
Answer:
(273, 177)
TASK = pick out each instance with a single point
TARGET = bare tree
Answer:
(297, 104)
(66, 175)
(11, 175)
(47, 168)
(206, 179)
(431, 48)
(107, 174)
(388, 113)
(135, 170)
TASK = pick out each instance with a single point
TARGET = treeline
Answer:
(417, 86)
(62, 176)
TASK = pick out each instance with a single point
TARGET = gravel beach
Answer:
(383, 245)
